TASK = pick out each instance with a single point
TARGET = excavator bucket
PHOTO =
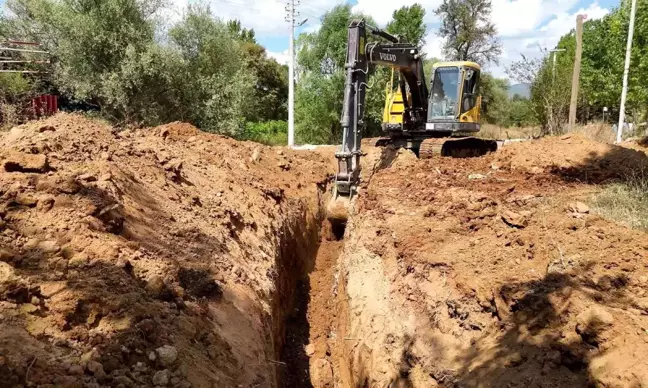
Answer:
(338, 208)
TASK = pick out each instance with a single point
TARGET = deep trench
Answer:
(307, 310)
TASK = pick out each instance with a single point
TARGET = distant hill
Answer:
(524, 90)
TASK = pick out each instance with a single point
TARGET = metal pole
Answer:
(626, 71)
(291, 75)
(23, 50)
(576, 76)
(553, 70)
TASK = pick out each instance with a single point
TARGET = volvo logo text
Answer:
(387, 57)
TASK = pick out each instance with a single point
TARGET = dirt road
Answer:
(170, 257)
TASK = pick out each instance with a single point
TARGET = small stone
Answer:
(48, 246)
(474, 177)
(78, 260)
(167, 355)
(26, 200)
(28, 308)
(309, 349)
(76, 370)
(87, 177)
(157, 288)
(152, 356)
(22, 162)
(256, 155)
(96, 369)
(515, 220)
(161, 377)
(35, 301)
(45, 202)
(579, 207)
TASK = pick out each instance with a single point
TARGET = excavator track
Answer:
(460, 147)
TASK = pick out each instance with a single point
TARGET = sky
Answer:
(523, 25)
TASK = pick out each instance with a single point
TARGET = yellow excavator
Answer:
(426, 121)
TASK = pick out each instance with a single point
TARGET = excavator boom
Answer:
(406, 59)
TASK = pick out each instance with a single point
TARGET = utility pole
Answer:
(626, 71)
(576, 76)
(291, 14)
(290, 18)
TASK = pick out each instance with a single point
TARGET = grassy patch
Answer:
(625, 202)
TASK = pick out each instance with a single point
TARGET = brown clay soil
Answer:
(173, 258)
(156, 257)
(488, 272)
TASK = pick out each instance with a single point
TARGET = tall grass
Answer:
(625, 202)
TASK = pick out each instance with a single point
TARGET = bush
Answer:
(269, 132)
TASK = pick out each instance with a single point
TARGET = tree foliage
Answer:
(111, 54)
(407, 23)
(468, 31)
(601, 71)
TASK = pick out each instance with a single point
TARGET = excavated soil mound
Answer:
(492, 272)
(156, 257)
(173, 258)
(573, 156)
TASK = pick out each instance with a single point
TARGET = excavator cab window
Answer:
(470, 90)
(444, 98)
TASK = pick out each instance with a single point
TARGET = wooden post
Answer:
(576, 76)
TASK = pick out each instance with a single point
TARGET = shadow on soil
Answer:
(619, 164)
(103, 295)
(537, 348)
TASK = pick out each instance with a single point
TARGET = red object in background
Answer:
(45, 105)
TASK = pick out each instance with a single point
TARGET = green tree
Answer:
(241, 33)
(216, 85)
(407, 23)
(468, 31)
(319, 95)
(495, 103)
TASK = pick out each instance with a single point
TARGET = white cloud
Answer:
(433, 46)
(515, 17)
(266, 17)
(523, 25)
(281, 57)
(545, 37)
(381, 10)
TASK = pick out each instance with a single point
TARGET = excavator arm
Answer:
(403, 57)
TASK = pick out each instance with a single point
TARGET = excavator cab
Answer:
(454, 105)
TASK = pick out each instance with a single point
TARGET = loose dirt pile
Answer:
(173, 258)
(492, 272)
(157, 257)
